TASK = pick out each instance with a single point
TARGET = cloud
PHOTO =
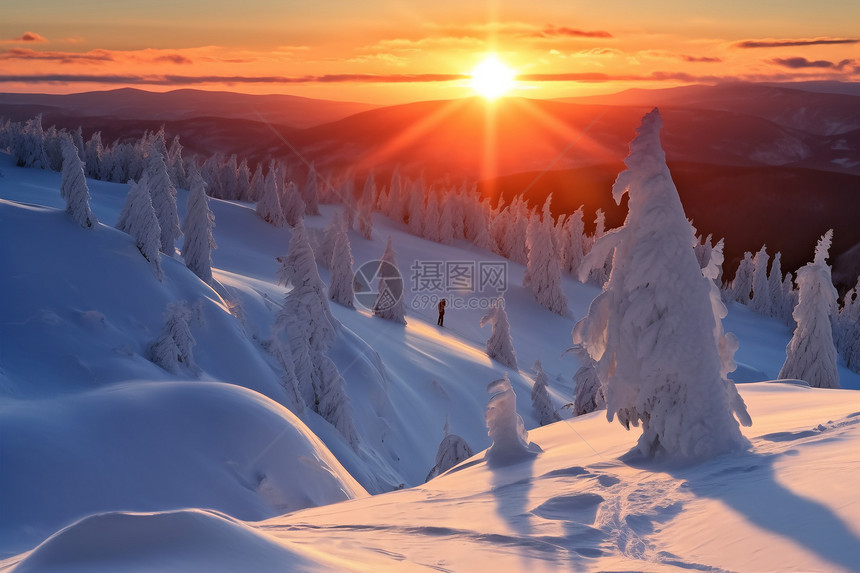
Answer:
(26, 37)
(747, 44)
(699, 59)
(550, 31)
(173, 59)
(802, 63)
(675, 56)
(95, 56)
(192, 80)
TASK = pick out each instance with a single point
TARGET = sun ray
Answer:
(408, 135)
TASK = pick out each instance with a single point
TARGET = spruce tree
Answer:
(138, 219)
(163, 195)
(73, 187)
(391, 291)
(653, 332)
(500, 346)
(811, 354)
(197, 228)
(541, 403)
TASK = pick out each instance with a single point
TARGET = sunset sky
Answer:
(388, 51)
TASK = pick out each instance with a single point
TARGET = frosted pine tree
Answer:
(299, 270)
(394, 204)
(176, 165)
(364, 219)
(257, 186)
(197, 228)
(541, 403)
(163, 200)
(341, 289)
(452, 450)
(761, 301)
(789, 299)
(849, 327)
(774, 286)
(138, 219)
(243, 181)
(588, 393)
(543, 276)
(73, 186)
(743, 282)
(811, 354)
(390, 303)
(280, 350)
(653, 332)
(94, 151)
(172, 350)
(446, 220)
(505, 427)
(269, 206)
(310, 194)
(294, 207)
(333, 403)
(500, 346)
(416, 208)
(571, 244)
(430, 225)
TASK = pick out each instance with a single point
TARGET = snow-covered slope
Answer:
(90, 427)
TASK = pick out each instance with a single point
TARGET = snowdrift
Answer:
(190, 541)
(151, 446)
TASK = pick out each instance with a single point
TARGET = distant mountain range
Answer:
(786, 156)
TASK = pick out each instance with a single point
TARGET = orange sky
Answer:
(384, 51)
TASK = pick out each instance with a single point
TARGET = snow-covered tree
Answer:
(172, 350)
(774, 286)
(73, 187)
(29, 145)
(416, 208)
(197, 228)
(310, 194)
(588, 393)
(341, 289)
(505, 427)
(279, 347)
(291, 201)
(394, 200)
(652, 332)
(500, 346)
(761, 303)
(364, 220)
(849, 328)
(257, 186)
(94, 151)
(176, 165)
(298, 269)
(543, 276)
(811, 354)
(391, 291)
(269, 206)
(333, 403)
(743, 281)
(571, 242)
(452, 450)
(163, 200)
(541, 403)
(430, 224)
(138, 219)
(447, 216)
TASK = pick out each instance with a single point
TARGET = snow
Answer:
(112, 457)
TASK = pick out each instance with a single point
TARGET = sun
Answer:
(492, 78)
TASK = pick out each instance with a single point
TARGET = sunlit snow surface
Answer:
(129, 468)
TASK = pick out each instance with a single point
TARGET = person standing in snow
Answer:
(441, 307)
